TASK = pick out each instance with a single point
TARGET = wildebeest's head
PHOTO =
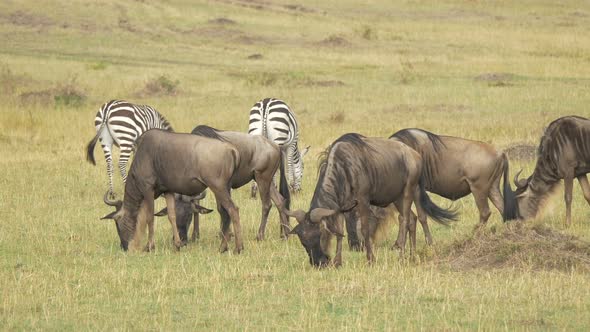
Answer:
(315, 231)
(530, 194)
(185, 206)
(118, 215)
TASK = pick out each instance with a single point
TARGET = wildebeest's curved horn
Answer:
(316, 215)
(199, 209)
(518, 182)
(299, 215)
(200, 196)
(107, 201)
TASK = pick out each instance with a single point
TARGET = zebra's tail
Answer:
(283, 185)
(91, 144)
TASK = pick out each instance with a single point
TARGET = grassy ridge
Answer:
(493, 72)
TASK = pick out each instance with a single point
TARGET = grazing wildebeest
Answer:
(168, 163)
(564, 153)
(363, 171)
(453, 168)
(259, 160)
(121, 123)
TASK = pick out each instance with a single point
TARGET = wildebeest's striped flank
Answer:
(121, 123)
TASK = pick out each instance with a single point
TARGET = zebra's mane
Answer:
(206, 131)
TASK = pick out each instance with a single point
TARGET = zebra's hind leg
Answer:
(107, 142)
(253, 190)
(126, 151)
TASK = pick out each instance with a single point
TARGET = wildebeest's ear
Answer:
(304, 151)
(295, 230)
(110, 215)
(199, 209)
(316, 215)
(162, 212)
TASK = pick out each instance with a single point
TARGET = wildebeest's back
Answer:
(182, 163)
(451, 162)
(376, 168)
(257, 153)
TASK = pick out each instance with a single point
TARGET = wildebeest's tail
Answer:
(440, 215)
(91, 144)
(510, 207)
(283, 186)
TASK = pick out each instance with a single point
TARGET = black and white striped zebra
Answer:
(121, 123)
(273, 119)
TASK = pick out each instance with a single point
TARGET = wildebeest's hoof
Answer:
(356, 247)
(238, 250)
(396, 246)
(260, 237)
(337, 262)
(149, 247)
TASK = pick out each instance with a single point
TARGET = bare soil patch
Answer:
(496, 79)
(22, 18)
(256, 56)
(334, 41)
(159, 86)
(523, 152)
(328, 83)
(222, 21)
(518, 245)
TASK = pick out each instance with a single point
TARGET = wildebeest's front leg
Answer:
(568, 182)
(366, 227)
(226, 205)
(351, 230)
(278, 199)
(171, 205)
(196, 232)
(339, 234)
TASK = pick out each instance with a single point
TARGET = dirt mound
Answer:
(496, 79)
(518, 245)
(222, 21)
(521, 152)
(334, 41)
(160, 86)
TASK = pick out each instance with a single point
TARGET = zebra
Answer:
(273, 119)
(121, 123)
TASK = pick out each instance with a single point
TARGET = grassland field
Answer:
(492, 71)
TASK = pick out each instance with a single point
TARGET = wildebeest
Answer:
(453, 168)
(121, 123)
(564, 153)
(259, 160)
(168, 163)
(362, 171)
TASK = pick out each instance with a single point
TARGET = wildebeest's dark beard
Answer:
(126, 230)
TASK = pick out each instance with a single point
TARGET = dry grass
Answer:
(518, 246)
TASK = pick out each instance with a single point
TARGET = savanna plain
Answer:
(492, 71)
